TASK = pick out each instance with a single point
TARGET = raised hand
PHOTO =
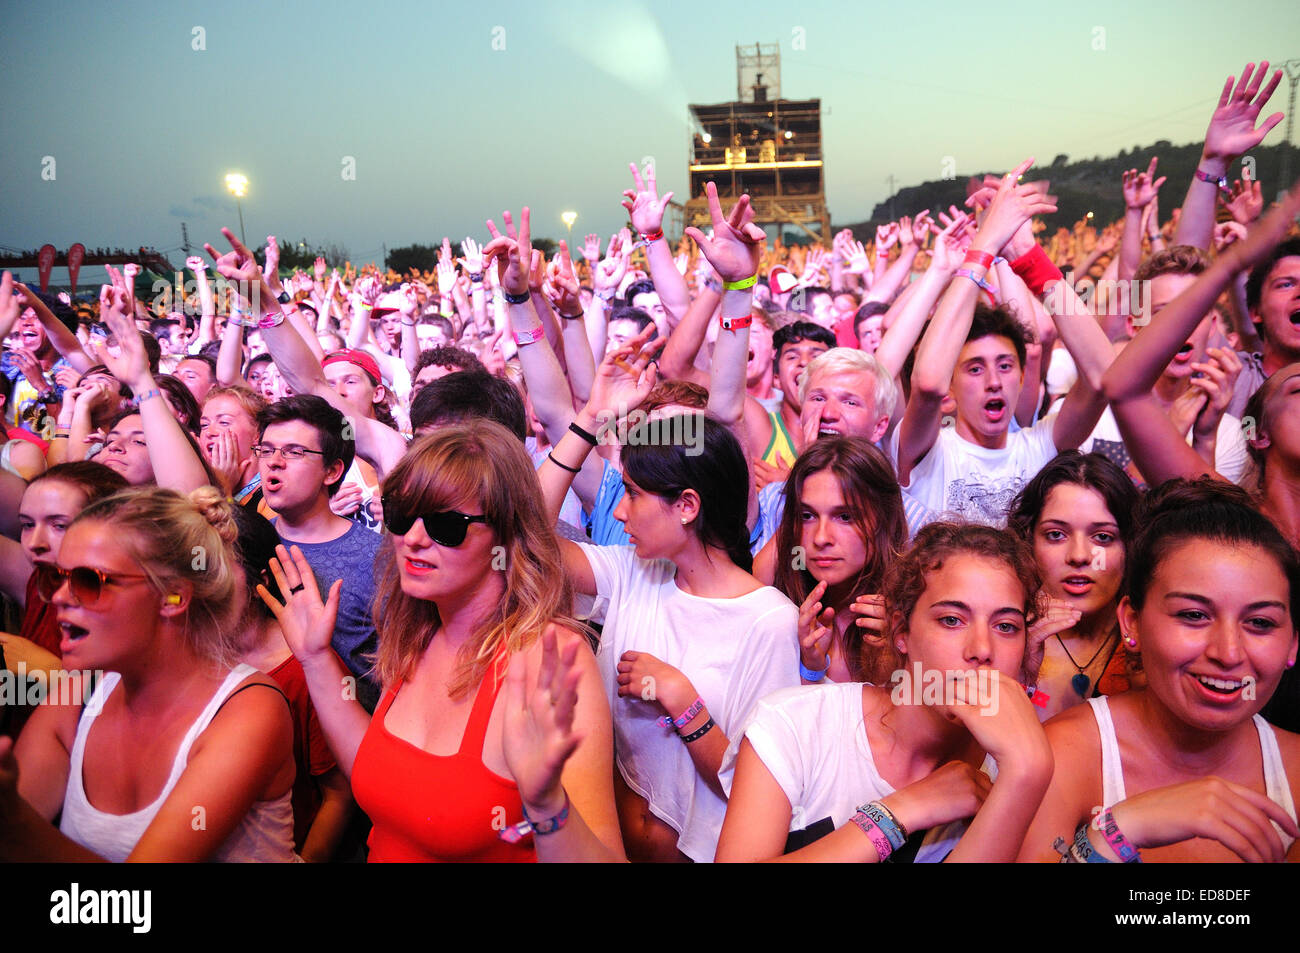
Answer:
(318, 268)
(591, 249)
(1141, 188)
(1246, 200)
(513, 255)
(905, 234)
(472, 258)
(539, 736)
(1270, 230)
(870, 610)
(196, 264)
(238, 264)
(1013, 205)
(307, 623)
(645, 207)
(1232, 126)
(886, 237)
(737, 243)
(814, 263)
(561, 284)
(857, 262)
(816, 630)
(922, 226)
(1225, 233)
(1217, 377)
(131, 365)
(272, 269)
(626, 375)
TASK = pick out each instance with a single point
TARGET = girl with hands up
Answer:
(1186, 769)
(866, 773)
(492, 741)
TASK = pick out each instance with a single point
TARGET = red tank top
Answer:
(40, 620)
(430, 808)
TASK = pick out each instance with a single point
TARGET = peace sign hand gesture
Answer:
(737, 243)
(645, 207)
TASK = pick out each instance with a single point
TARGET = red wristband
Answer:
(979, 257)
(1036, 270)
(654, 236)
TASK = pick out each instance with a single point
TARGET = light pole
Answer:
(238, 186)
(568, 218)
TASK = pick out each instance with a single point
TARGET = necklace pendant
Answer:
(1081, 685)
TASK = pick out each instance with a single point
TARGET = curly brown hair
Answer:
(906, 580)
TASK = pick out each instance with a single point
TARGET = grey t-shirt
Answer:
(350, 557)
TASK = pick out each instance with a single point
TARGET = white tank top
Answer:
(1276, 785)
(265, 835)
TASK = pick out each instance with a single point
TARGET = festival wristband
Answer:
(1036, 270)
(685, 718)
(884, 819)
(983, 285)
(476, 278)
(606, 295)
(272, 319)
(975, 256)
(656, 235)
(524, 338)
(1220, 181)
(152, 392)
(742, 284)
(735, 324)
(1082, 849)
(808, 675)
(515, 299)
(517, 832)
(1116, 839)
(697, 735)
(883, 847)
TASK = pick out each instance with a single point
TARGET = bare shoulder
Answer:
(1073, 736)
(257, 703)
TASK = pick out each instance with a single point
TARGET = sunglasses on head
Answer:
(446, 529)
(87, 585)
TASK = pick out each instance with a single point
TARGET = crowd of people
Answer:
(973, 543)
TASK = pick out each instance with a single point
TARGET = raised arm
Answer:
(64, 341)
(646, 210)
(175, 464)
(207, 304)
(1232, 133)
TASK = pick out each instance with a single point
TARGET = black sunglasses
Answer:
(445, 529)
(87, 584)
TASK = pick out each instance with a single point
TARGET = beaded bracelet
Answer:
(152, 392)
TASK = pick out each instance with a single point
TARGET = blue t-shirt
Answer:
(351, 558)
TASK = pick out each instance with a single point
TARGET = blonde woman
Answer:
(176, 755)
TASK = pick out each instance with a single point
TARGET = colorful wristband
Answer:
(865, 824)
(654, 236)
(1116, 839)
(735, 324)
(517, 832)
(685, 718)
(983, 285)
(979, 257)
(808, 675)
(742, 284)
(884, 819)
(272, 319)
(1036, 270)
(1082, 849)
(524, 338)
(1219, 181)
(152, 392)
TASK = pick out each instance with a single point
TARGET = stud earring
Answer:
(1131, 642)
(174, 599)
(684, 521)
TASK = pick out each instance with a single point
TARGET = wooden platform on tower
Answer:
(764, 145)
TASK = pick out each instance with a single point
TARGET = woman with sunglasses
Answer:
(1186, 769)
(176, 754)
(692, 640)
(492, 741)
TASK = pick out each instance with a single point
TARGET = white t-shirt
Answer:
(1230, 452)
(962, 480)
(734, 651)
(813, 741)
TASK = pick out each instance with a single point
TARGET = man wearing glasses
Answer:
(302, 456)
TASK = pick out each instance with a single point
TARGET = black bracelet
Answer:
(697, 735)
(589, 437)
(515, 299)
(563, 466)
(572, 317)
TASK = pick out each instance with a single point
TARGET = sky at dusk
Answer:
(444, 128)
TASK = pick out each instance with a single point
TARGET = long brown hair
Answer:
(870, 489)
(477, 460)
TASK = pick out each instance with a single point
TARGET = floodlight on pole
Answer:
(568, 218)
(238, 186)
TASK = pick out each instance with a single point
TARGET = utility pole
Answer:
(890, 180)
(1292, 68)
